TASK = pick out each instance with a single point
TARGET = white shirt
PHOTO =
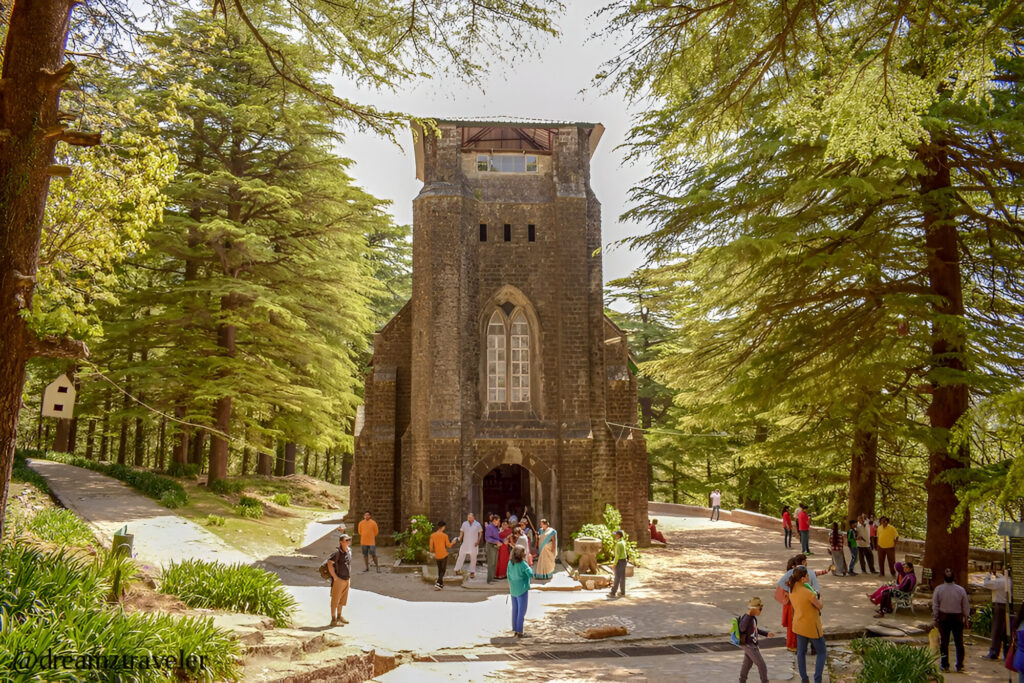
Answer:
(999, 585)
(471, 533)
(716, 499)
(863, 534)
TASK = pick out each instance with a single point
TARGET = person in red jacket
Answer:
(803, 525)
(787, 527)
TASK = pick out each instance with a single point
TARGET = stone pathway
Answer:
(107, 504)
(677, 608)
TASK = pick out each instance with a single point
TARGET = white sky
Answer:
(544, 85)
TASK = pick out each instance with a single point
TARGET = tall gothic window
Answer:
(508, 374)
(496, 359)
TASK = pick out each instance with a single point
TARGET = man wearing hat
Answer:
(340, 567)
(749, 632)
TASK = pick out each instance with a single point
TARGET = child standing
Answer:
(748, 634)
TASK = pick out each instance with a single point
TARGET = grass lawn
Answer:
(281, 529)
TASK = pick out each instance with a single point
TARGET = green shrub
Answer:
(238, 587)
(188, 470)
(882, 660)
(981, 620)
(227, 486)
(414, 542)
(606, 534)
(153, 485)
(22, 472)
(51, 600)
(283, 499)
(60, 526)
(214, 520)
(249, 507)
(174, 499)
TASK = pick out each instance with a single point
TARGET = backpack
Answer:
(736, 637)
(325, 573)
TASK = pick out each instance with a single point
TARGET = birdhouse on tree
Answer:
(59, 398)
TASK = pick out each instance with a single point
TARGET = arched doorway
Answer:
(507, 489)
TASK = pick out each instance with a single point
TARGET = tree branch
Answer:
(57, 347)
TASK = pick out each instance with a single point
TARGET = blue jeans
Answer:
(801, 655)
(853, 558)
(805, 541)
(519, 611)
(787, 537)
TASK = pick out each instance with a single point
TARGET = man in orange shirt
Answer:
(368, 540)
(439, 544)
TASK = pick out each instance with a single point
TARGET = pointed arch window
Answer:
(508, 359)
(496, 359)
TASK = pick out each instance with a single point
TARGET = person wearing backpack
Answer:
(340, 568)
(748, 632)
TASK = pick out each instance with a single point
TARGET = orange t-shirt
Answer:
(439, 544)
(367, 532)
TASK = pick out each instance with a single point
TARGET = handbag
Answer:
(1012, 651)
(781, 596)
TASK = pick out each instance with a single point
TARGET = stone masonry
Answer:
(507, 293)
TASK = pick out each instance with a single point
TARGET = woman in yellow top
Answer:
(806, 623)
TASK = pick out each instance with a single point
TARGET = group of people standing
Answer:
(512, 547)
(864, 537)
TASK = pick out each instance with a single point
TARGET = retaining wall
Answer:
(904, 546)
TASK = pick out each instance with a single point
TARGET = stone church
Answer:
(501, 383)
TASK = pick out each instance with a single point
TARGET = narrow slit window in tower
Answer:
(483, 232)
(508, 232)
(531, 233)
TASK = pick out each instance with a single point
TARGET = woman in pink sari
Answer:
(503, 551)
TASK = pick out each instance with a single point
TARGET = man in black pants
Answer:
(951, 609)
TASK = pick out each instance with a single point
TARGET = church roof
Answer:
(516, 122)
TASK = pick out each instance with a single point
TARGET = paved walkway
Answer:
(689, 590)
(107, 504)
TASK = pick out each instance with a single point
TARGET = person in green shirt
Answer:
(619, 557)
(851, 542)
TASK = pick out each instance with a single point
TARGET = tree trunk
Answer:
(180, 455)
(246, 454)
(222, 411)
(289, 458)
(944, 547)
(162, 452)
(104, 435)
(122, 443)
(90, 434)
(30, 92)
(140, 430)
(279, 462)
(72, 435)
(196, 455)
(305, 461)
(264, 464)
(140, 442)
(61, 435)
(863, 464)
(347, 460)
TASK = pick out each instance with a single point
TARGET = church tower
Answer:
(502, 384)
